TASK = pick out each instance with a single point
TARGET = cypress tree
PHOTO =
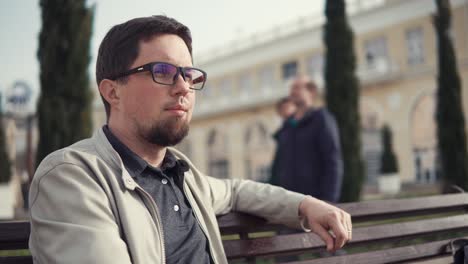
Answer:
(342, 94)
(389, 163)
(451, 135)
(64, 107)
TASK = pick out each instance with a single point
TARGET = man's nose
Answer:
(180, 87)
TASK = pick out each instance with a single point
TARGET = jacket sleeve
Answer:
(273, 203)
(72, 220)
(330, 150)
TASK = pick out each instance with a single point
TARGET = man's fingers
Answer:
(341, 234)
(332, 224)
(349, 225)
(326, 237)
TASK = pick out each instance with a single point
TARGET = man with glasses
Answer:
(125, 196)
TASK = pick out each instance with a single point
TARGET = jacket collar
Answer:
(308, 115)
(105, 150)
(112, 158)
(108, 154)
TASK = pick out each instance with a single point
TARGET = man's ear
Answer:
(110, 90)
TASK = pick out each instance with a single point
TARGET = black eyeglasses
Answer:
(167, 74)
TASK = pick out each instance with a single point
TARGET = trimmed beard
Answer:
(167, 132)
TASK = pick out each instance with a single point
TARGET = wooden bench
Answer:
(385, 231)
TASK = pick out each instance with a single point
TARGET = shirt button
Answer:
(176, 208)
(164, 181)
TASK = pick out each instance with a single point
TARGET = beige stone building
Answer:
(395, 44)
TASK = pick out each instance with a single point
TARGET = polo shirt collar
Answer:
(135, 164)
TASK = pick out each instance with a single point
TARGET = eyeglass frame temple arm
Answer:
(146, 67)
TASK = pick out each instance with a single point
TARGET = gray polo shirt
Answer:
(184, 240)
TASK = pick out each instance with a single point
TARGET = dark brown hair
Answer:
(281, 102)
(120, 46)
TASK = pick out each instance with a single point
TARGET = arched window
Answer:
(371, 122)
(259, 151)
(218, 163)
(424, 140)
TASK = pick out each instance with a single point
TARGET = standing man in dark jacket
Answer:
(310, 159)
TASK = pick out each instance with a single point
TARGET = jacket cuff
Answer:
(294, 200)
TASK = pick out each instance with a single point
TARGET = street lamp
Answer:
(21, 108)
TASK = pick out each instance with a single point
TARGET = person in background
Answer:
(309, 158)
(285, 108)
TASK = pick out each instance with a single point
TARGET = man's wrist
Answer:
(303, 205)
(306, 202)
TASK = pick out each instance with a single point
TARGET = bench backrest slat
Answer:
(16, 260)
(360, 211)
(407, 253)
(294, 243)
(14, 234)
(382, 209)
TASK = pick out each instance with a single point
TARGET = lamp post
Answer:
(21, 108)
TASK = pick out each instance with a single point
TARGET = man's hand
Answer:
(332, 224)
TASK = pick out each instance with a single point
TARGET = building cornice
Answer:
(305, 34)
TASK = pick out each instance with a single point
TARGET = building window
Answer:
(225, 88)
(203, 95)
(425, 161)
(415, 46)
(219, 169)
(246, 83)
(267, 78)
(218, 164)
(315, 69)
(376, 52)
(371, 139)
(424, 139)
(258, 152)
(289, 70)
(208, 90)
(315, 64)
(371, 152)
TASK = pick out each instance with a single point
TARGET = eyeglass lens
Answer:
(164, 73)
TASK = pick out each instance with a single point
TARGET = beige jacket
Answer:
(86, 208)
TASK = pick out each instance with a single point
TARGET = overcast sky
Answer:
(213, 23)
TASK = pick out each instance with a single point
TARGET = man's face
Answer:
(159, 114)
(299, 94)
(286, 109)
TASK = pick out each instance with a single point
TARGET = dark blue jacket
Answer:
(309, 156)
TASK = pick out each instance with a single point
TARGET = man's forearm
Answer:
(274, 203)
